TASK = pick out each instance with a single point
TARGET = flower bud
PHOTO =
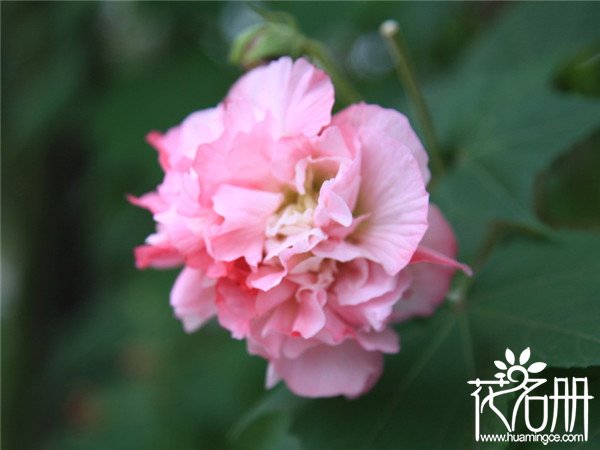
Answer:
(266, 41)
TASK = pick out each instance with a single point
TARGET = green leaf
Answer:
(505, 129)
(568, 190)
(543, 296)
(268, 432)
(504, 120)
(536, 34)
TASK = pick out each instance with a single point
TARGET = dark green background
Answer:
(91, 355)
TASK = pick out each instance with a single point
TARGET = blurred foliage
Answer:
(91, 355)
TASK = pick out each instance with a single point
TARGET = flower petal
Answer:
(327, 371)
(193, 298)
(310, 318)
(177, 147)
(157, 256)
(151, 201)
(392, 193)
(235, 307)
(373, 307)
(296, 95)
(338, 196)
(431, 269)
(386, 341)
(428, 255)
(241, 159)
(242, 233)
(389, 121)
(266, 301)
(360, 280)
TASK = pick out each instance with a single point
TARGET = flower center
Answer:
(295, 215)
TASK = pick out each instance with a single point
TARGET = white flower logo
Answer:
(511, 367)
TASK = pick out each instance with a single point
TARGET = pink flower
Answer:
(307, 235)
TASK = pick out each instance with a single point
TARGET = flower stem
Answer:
(397, 48)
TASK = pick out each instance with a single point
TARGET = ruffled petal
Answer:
(235, 307)
(296, 95)
(338, 196)
(370, 304)
(242, 233)
(394, 195)
(393, 198)
(242, 159)
(193, 298)
(360, 281)
(177, 147)
(390, 122)
(310, 318)
(157, 256)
